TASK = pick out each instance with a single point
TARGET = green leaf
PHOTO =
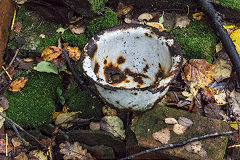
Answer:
(62, 100)
(59, 91)
(161, 20)
(45, 66)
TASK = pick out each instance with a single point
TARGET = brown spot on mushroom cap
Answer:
(121, 60)
(96, 68)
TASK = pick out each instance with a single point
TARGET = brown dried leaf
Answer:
(50, 53)
(179, 129)
(76, 29)
(74, 53)
(3, 146)
(185, 121)
(235, 102)
(207, 95)
(16, 141)
(181, 21)
(199, 71)
(21, 156)
(4, 103)
(108, 111)
(74, 151)
(17, 27)
(18, 84)
(198, 16)
(163, 135)
(213, 111)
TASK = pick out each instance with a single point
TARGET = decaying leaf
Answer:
(193, 92)
(40, 155)
(198, 16)
(17, 27)
(21, 156)
(213, 111)
(114, 126)
(207, 95)
(63, 119)
(42, 36)
(181, 21)
(234, 99)
(2, 120)
(196, 147)
(235, 36)
(74, 151)
(145, 16)
(170, 121)
(45, 66)
(4, 103)
(95, 126)
(74, 53)
(50, 53)
(76, 29)
(218, 47)
(199, 71)
(16, 142)
(163, 135)
(18, 84)
(123, 9)
(157, 25)
(179, 129)
(185, 121)
(3, 146)
(108, 111)
(222, 69)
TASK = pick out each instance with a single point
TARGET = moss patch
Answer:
(234, 4)
(197, 40)
(81, 101)
(97, 4)
(109, 19)
(78, 40)
(34, 105)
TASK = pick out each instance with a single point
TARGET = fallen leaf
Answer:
(162, 136)
(189, 95)
(222, 69)
(50, 53)
(179, 129)
(2, 120)
(213, 111)
(76, 29)
(170, 121)
(234, 99)
(18, 84)
(63, 119)
(230, 28)
(4, 103)
(27, 59)
(123, 9)
(127, 20)
(42, 36)
(218, 47)
(199, 71)
(185, 121)
(16, 142)
(40, 155)
(45, 66)
(157, 25)
(196, 147)
(181, 21)
(220, 96)
(114, 126)
(74, 53)
(21, 156)
(207, 95)
(17, 27)
(3, 146)
(95, 126)
(61, 30)
(74, 151)
(145, 16)
(235, 36)
(233, 124)
(108, 111)
(198, 16)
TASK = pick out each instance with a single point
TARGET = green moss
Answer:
(81, 101)
(34, 105)
(97, 4)
(76, 40)
(109, 19)
(197, 40)
(234, 4)
(50, 41)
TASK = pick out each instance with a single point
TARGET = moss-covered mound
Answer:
(109, 19)
(197, 40)
(234, 4)
(78, 40)
(34, 105)
(81, 101)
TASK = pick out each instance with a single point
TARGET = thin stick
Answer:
(14, 57)
(174, 145)
(12, 122)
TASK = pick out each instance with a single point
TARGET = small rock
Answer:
(95, 126)
(171, 121)
(77, 29)
(163, 135)
(181, 21)
(127, 20)
(179, 129)
(145, 16)
(185, 121)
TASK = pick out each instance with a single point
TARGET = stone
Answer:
(171, 121)
(149, 122)
(6, 14)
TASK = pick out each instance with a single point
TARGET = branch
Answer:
(174, 145)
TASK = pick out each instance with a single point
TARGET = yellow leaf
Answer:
(50, 53)
(198, 16)
(235, 36)
(230, 28)
(1, 118)
(65, 109)
(18, 84)
(60, 30)
(157, 25)
(222, 69)
(54, 117)
(233, 124)
(74, 53)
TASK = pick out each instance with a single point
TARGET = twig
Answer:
(9, 65)
(12, 122)
(174, 145)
